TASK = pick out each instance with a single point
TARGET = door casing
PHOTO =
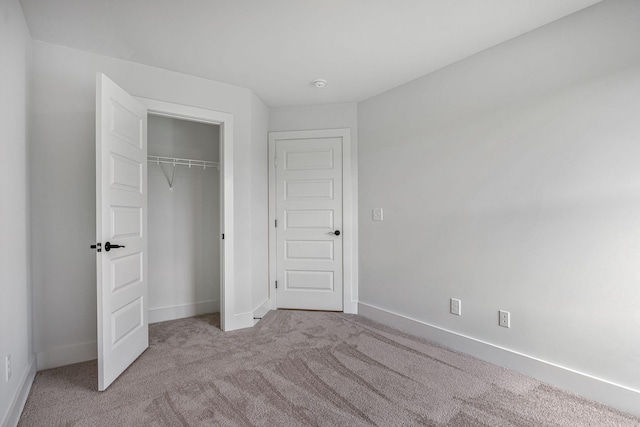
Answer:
(228, 321)
(349, 217)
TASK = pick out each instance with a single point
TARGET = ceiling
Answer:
(278, 47)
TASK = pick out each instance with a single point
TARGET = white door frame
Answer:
(225, 121)
(349, 220)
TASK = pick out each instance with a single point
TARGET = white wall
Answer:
(15, 281)
(311, 117)
(63, 174)
(183, 221)
(510, 180)
(328, 116)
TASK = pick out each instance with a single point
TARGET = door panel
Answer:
(125, 174)
(126, 221)
(308, 219)
(309, 206)
(306, 189)
(126, 321)
(309, 280)
(308, 250)
(121, 212)
(296, 160)
(125, 271)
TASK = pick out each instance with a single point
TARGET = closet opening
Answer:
(184, 218)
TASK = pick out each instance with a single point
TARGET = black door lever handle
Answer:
(108, 246)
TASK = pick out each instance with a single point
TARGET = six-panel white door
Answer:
(309, 215)
(121, 218)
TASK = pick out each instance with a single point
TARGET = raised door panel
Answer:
(309, 250)
(308, 189)
(309, 280)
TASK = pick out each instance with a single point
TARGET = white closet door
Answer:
(121, 229)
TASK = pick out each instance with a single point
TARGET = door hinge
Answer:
(276, 223)
(222, 236)
(276, 284)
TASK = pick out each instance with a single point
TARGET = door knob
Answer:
(337, 232)
(108, 246)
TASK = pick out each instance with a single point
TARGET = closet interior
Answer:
(183, 182)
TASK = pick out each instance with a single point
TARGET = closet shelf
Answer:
(183, 162)
(174, 161)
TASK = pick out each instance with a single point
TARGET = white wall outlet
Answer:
(504, 319)
(456, 307)
(7, 364)
(377, 214)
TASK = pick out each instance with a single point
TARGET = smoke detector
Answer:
(319, 83)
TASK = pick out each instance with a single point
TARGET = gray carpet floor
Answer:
(297, 368)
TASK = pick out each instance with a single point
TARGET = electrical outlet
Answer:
(377, 214)
(456, 307)
(7, 363)
(504, 319)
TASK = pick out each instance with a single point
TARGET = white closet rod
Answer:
(174, 161)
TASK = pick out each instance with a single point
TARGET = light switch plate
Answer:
(377, 214)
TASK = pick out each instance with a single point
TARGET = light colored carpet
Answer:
(300, 368)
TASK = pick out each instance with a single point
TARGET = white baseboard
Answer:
(12, 416)
(162, 314)
(615, 395)
(262, 310)
(66, 355)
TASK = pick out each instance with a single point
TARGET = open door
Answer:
(121, 229)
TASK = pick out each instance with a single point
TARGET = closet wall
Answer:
(184, 221)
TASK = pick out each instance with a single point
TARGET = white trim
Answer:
(16, 406)
(66, 355)
(180, 311)
(273, 248)
(225, 120)
(262, 309)
(350, 227)
(349, 220)
(615, 395)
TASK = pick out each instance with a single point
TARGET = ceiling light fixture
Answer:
(319, 82)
